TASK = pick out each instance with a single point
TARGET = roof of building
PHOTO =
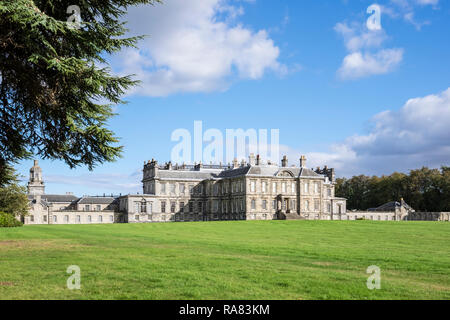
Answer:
(391, 206)
(255, 170)
(96, 200)
(240, 171)
(189, 174)
(62, 198)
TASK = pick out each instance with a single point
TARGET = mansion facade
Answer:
(241, 191)
(250, 190)
(66, 208)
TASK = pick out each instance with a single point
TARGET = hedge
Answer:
(8, 221)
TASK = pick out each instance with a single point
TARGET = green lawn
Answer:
(227, 260)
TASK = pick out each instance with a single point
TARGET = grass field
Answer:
(227, 260)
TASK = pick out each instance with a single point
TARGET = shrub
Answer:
(8, 220)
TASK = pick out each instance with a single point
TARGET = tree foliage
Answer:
(52, 83)
(13, 197)
(9, 221)
(423, 189)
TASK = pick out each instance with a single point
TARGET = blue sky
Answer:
(363, 101)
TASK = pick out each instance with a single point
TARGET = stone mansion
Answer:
(250, 190)
(240, 191)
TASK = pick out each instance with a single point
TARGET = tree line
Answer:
(423, 189)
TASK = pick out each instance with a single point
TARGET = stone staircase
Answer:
(289, 216)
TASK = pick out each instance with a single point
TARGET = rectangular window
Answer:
(316, 205)
(293, 189)
(163, 206)
(264, 204)
(316, 187)
(200, 207)
(283, 187)
(182, 188)
(111, 218)
(181, 207)
(252, 186)
(191, 206)
(172, 207)
(151, 188)
(45, 218)
(100, 218)
(98, 207)
(329, 192)
(264, 187)
(66, 218)
(32, 218)
(136, 217)
(172, 188)
(274, 204)
(328, 207)
(55, 219)
(307, 205)
(191, 189)
(78, 218)
(306, 187)
(87, 207)
(253, 204)
(274, 187)
(89, 219)
(163, 188)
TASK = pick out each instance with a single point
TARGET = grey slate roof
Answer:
(65, 198)
(391, 206)
(188, 174)
(241, 171)
(96, 200)
(305, 172)
(262, 170)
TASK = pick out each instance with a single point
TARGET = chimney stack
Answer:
(258, 160)
(252, 159)
(284, 162)
(235, 163)
(302, 162)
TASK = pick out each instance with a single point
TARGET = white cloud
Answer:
(427, 2)
(123, 183)
(356, 39)
(406, 9)
(195, 46)
(358, 64)
(416, 135)
(365, 57)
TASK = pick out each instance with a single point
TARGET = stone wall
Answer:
(72, 217)
(373, 215)
(429, 216)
